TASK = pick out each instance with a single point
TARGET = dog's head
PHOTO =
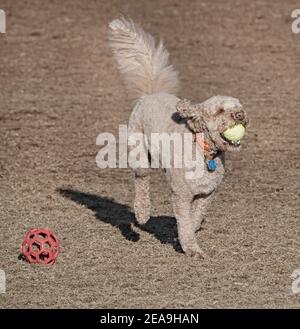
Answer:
(213, 117)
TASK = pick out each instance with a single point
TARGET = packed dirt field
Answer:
(60, 88)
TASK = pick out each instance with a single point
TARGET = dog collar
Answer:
(209, 153)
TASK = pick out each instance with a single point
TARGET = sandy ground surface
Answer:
(60, 88)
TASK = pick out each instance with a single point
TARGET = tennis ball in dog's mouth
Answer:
(235, 133)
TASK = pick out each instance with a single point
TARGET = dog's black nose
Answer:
(239, 116)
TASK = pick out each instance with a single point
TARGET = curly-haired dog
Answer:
(152, 84)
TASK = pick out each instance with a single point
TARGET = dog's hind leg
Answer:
(186, 229)
(142, 203)
(141, 167)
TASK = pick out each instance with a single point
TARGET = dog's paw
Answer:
(195, 253)
(142, 216)
(142, 220)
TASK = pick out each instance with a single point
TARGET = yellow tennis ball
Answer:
(235, 133)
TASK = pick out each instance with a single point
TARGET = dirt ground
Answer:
(60, 88)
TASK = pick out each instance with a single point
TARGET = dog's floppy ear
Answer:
(193, 114)
(185, 109)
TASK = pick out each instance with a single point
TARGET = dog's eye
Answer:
(220, 111)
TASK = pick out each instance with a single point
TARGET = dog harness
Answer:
(209, 153)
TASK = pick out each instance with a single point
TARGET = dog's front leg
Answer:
(199, 206)
(182, 208)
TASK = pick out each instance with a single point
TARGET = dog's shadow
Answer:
(119, 215)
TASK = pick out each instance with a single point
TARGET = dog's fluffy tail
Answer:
(143, 65)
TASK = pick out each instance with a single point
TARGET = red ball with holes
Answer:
(40, 246)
